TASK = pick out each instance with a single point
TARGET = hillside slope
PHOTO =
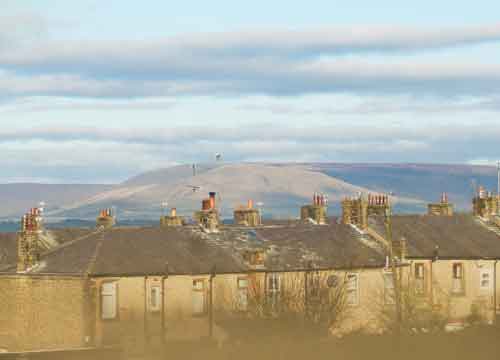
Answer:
(281, 188)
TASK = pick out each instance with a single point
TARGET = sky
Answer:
(98, 91)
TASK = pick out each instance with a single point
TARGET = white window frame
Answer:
(242, 288)
(389, 288)
(420, 279)
(155, 298)
(196, 291)
(274, 291)
(109, 292)
(352, 289)
(458, 280)
(489, 272)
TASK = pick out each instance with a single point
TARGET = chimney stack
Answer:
(212, 200)
(105, 219)
(28, 247)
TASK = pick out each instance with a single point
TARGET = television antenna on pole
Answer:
(498, 186)
(195, 188)
(260, 204)
(498, 178)
(164, 205)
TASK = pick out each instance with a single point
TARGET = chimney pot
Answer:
(212, 199)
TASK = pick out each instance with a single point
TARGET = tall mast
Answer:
(498, 178)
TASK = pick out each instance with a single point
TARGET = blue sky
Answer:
(96, 91)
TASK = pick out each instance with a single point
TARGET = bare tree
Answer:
(418, 311)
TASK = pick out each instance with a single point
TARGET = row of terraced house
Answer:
(368, 270)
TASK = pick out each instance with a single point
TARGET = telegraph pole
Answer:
(498, 186)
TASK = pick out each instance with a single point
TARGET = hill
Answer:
(282, 188)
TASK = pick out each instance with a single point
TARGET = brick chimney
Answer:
(443, 208)
(106, 219)
(208, 217)
(355, 212)
(171, 220)
(247, 216)
(485, 204)
(28, 240)
(316, 212)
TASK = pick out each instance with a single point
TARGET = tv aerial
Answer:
(164, 206)
(195, 188)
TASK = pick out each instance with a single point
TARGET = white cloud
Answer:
(261, 62)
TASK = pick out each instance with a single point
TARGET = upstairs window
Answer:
(242, 294)
(198, 297)
(313, 285)
(155, 298)
(352, 289)
(485, 279)
(389, 289)
(109, 301)
(273, 289)
(420, 279)
(458, 280)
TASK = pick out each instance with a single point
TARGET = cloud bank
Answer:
(113, 154)
(271, 62)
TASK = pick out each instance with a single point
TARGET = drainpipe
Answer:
(211, 304)
(146, 338)
(495, 293)
(306, 292)
(163, 326)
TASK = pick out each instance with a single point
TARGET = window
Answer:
(273, 289)
(313, 285)
(458, 286)
(199, 303)
(420, 279)
(109, 303)
(352, 289)
(389, 293)
(242, 294)
(485, 279)
(155, 298)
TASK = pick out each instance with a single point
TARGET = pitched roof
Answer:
(136, 251)
(300, 245)
(52, 237)
(187, 250)
(458, 236)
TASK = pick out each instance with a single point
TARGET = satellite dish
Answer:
(218, 157)
(332, 281)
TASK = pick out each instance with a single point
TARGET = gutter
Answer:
(454, 258)
(253, 271)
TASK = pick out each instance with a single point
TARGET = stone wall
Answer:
(43, 312)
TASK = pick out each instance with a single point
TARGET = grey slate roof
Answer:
(8, 242)
(147, 250)
(460, 236)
